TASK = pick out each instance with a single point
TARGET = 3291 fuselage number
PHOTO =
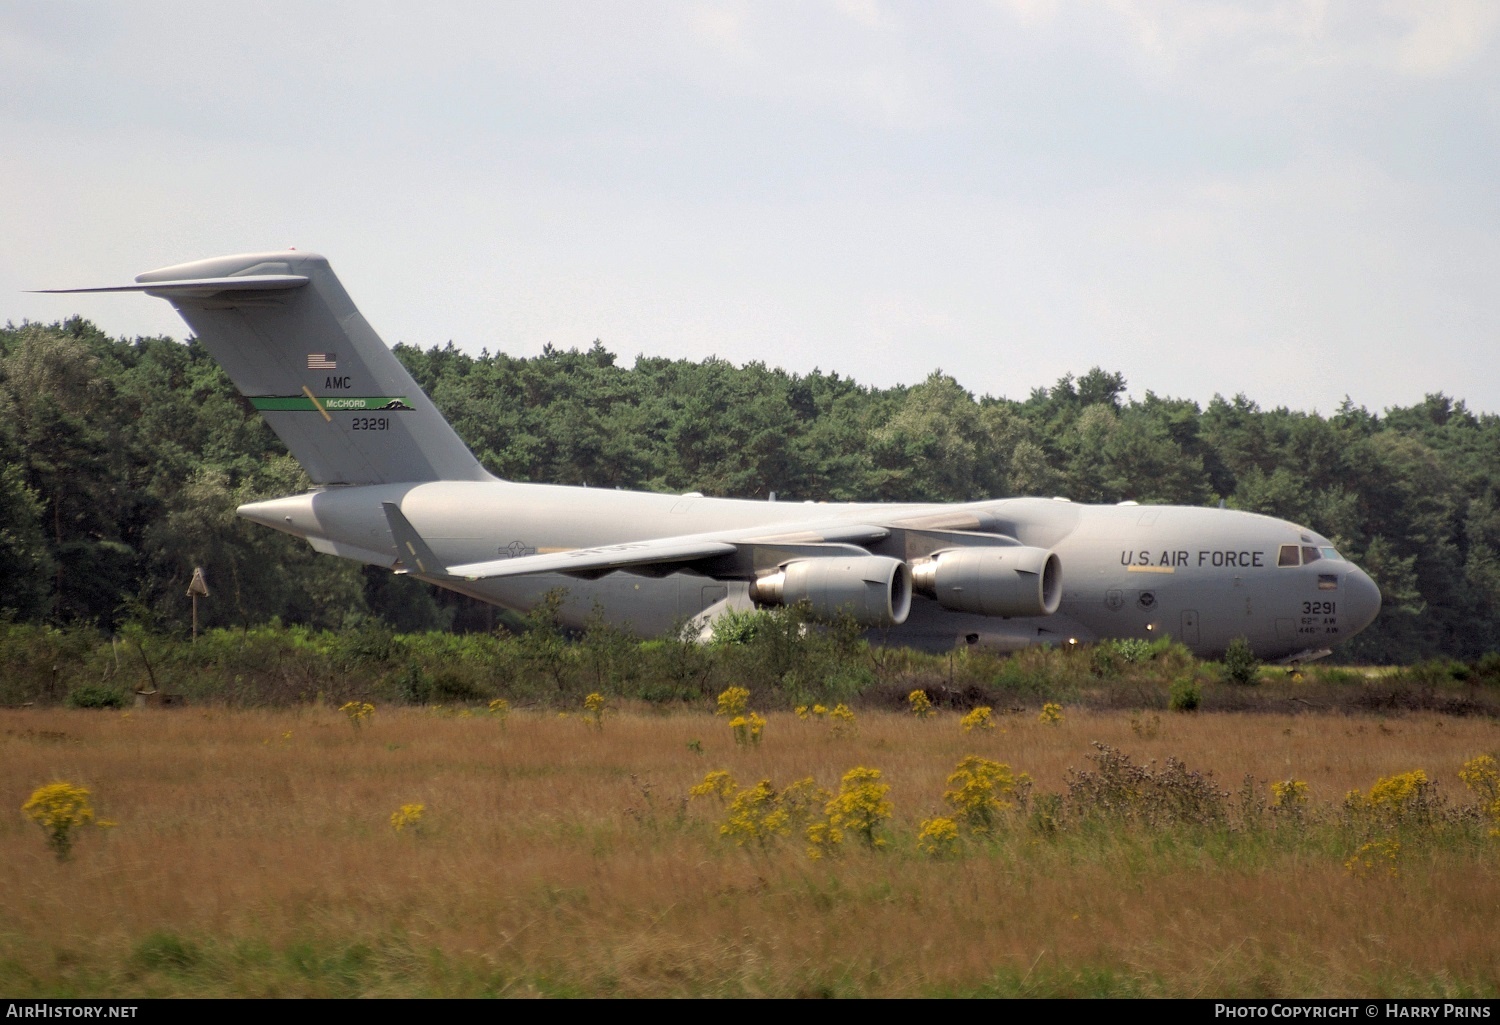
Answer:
(370, 423)
(1319, 608)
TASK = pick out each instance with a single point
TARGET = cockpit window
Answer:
(1309, 554)
(1331, 553)
(1288, 556)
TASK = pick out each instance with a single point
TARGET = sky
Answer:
(1292, 199)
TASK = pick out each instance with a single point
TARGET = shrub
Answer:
(1116, 788)
(1108, 657)
(414, 686)
(96, 695)
(450, 686)
(921, 705)
(1185, 695)
(1104, 661)
(1240, 664)
(1051, 714)
(733, 626)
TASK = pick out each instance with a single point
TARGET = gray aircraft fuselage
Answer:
(1201, 576)
(396, 487)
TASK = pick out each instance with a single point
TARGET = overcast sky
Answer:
(1294, 200)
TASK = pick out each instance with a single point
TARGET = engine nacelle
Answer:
(875, 590)
(992, 581)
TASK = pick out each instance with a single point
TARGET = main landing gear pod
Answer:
(875, 590)
(992, 581)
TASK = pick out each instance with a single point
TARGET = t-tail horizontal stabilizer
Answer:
(411, 550)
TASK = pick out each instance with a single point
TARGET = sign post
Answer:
(196, 589)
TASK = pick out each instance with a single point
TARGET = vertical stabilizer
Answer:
(286, 332)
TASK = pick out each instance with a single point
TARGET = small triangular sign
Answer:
(198, 586)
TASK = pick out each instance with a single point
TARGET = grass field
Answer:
(254, 854)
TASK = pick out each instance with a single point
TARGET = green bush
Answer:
(414, 686)
(1105, 661)
(1134, 650)
(1240, 664)
(96, 695)
(1185, 695)
(450, 686)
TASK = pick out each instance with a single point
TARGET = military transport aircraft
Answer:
(395, 487)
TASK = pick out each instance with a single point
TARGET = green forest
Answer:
(122, 461)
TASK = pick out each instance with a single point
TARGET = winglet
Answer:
(411, 549)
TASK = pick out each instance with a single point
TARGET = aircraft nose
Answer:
(1361, 599)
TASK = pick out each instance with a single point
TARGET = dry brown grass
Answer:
(560, 859)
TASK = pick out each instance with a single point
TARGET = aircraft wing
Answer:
(670, 550)
(744, 554)
(747, 548)
(199, 287)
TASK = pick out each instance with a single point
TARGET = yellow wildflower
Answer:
(860, 806)
(1372, 856)
(593, 707)
(59, 809)
(408, 816)
(733, 701)
(1288, 794)
(980, 788)
(359, 712)
(840, 720)
(718, 784)
(938, 838)
(978, 719)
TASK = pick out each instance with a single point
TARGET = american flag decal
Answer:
(322, 361)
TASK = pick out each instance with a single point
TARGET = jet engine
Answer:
(875, 590)
(992, 581)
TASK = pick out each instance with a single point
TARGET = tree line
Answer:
(122, 461)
